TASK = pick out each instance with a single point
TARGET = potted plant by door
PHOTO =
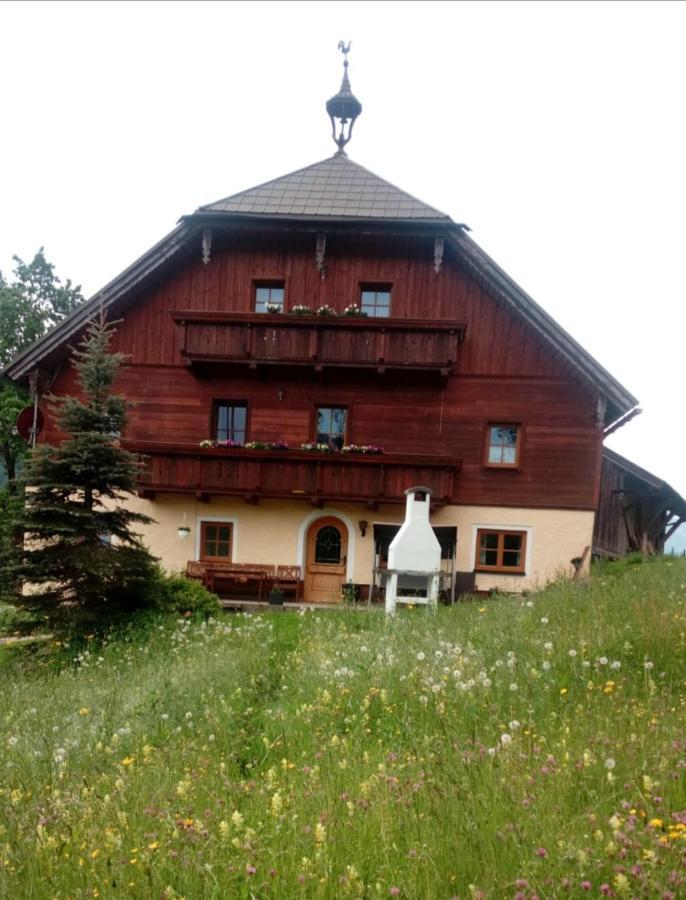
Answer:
(276, 597)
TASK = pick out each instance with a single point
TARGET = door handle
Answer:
(345, 559)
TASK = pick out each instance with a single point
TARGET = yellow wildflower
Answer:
(276, 803)
(621, 883)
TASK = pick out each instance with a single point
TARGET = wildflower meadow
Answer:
(515, 747)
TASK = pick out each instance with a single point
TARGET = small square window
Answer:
(230, 421)
(269, 296)
(216, 539)
(375, 300)
(331, 426)
(503, 448)
(501, 551)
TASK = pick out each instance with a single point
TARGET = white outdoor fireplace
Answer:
(414, 556)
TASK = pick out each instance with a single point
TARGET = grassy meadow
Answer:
(517, 747)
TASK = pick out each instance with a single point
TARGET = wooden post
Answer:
(579, 561)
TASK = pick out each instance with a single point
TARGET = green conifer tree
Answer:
(80, 554)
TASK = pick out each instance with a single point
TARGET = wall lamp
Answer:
(362, 525)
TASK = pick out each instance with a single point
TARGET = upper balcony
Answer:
(291, 474)
(255, 340)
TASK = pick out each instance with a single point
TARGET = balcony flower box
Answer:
(370, 449)
(354, 310)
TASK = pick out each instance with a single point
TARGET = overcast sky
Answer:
(556, 130)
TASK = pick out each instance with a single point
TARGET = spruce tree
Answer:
(80, 553)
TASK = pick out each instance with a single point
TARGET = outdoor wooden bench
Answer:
(289, 578)
(233, 577)
(247, 578)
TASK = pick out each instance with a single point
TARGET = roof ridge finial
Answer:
(345, 49)
(344, 106)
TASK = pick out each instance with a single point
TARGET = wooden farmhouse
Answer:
(300, 354)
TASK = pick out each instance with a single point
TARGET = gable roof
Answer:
(331, 191)
(674, 501)
(620, 400)
(333, 188)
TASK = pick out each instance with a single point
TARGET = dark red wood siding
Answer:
(504, 370)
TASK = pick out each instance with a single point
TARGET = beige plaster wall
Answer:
(554, 538)
(274, 532)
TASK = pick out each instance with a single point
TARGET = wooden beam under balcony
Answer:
(309, 476)
(284, 339)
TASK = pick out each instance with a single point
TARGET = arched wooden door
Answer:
(326, 559)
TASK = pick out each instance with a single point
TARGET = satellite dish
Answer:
(25, 423)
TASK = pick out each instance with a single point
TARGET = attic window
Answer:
(375, 300)
(503, 446)
(269, 296)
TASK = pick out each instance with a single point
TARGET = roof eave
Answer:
(311, 222)
(18, 369)
(541, 321)
(658, 484)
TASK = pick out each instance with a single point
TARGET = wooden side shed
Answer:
(637, 511)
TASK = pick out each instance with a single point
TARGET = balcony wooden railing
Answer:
(294, 474)
(345, 341)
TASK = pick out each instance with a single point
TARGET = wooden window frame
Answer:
(517, 464)
(377, 286)
(214, 419)
(210, 523)
(499, 567)
(315, 419)
(269, 283)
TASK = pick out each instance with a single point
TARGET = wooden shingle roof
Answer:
(333, 188)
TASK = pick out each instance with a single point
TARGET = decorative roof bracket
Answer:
(601, 411)
(206, 244)
(439, 245)
(320, 254)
